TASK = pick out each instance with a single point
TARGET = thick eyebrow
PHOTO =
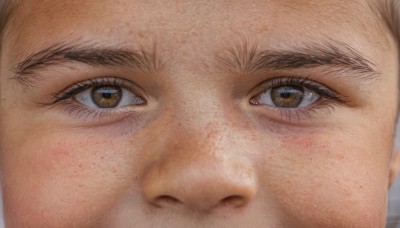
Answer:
(334, 56)
(59, 54)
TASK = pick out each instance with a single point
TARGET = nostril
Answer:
(166, 200)
(233, 201)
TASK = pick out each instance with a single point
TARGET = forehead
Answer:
(194, 28)
(267, 19)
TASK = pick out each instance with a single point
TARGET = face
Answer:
(196, 114)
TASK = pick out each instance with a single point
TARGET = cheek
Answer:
(58, 178)
(329, 180)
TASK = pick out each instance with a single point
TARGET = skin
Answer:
(198, 153)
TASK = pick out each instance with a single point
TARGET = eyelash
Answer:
(328, 100)
(79, 87)
(81, 111)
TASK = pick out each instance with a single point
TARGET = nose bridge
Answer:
(200, 171)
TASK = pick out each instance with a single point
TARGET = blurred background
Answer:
(393, 217)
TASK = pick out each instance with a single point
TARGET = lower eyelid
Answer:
(77, 111)
(104, 122)
(296, 117)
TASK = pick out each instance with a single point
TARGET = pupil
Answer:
(106, 96)
(287, 96)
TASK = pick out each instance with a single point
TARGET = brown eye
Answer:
(287, 96)
(106, 96)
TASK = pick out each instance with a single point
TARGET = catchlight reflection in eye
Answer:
(108, 96)
(288, 97)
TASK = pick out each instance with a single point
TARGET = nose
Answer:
(200, 179)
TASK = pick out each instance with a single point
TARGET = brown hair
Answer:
(390, 12)
(6, 9)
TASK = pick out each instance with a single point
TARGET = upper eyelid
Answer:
(306, 82)
(282, 81)
(279, 81)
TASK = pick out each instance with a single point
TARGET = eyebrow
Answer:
(59, 54)
(336, 57)
(240, 58)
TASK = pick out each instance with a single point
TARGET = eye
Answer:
(292, 93)
(108, 96)
(101, 93)
(103, 99)
(288, 97)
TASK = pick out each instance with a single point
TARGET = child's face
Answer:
(196, 114)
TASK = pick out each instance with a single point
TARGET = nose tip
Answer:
(193, 188)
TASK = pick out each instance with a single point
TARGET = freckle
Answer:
(140, 34)
(340, 157)
(263, 29)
